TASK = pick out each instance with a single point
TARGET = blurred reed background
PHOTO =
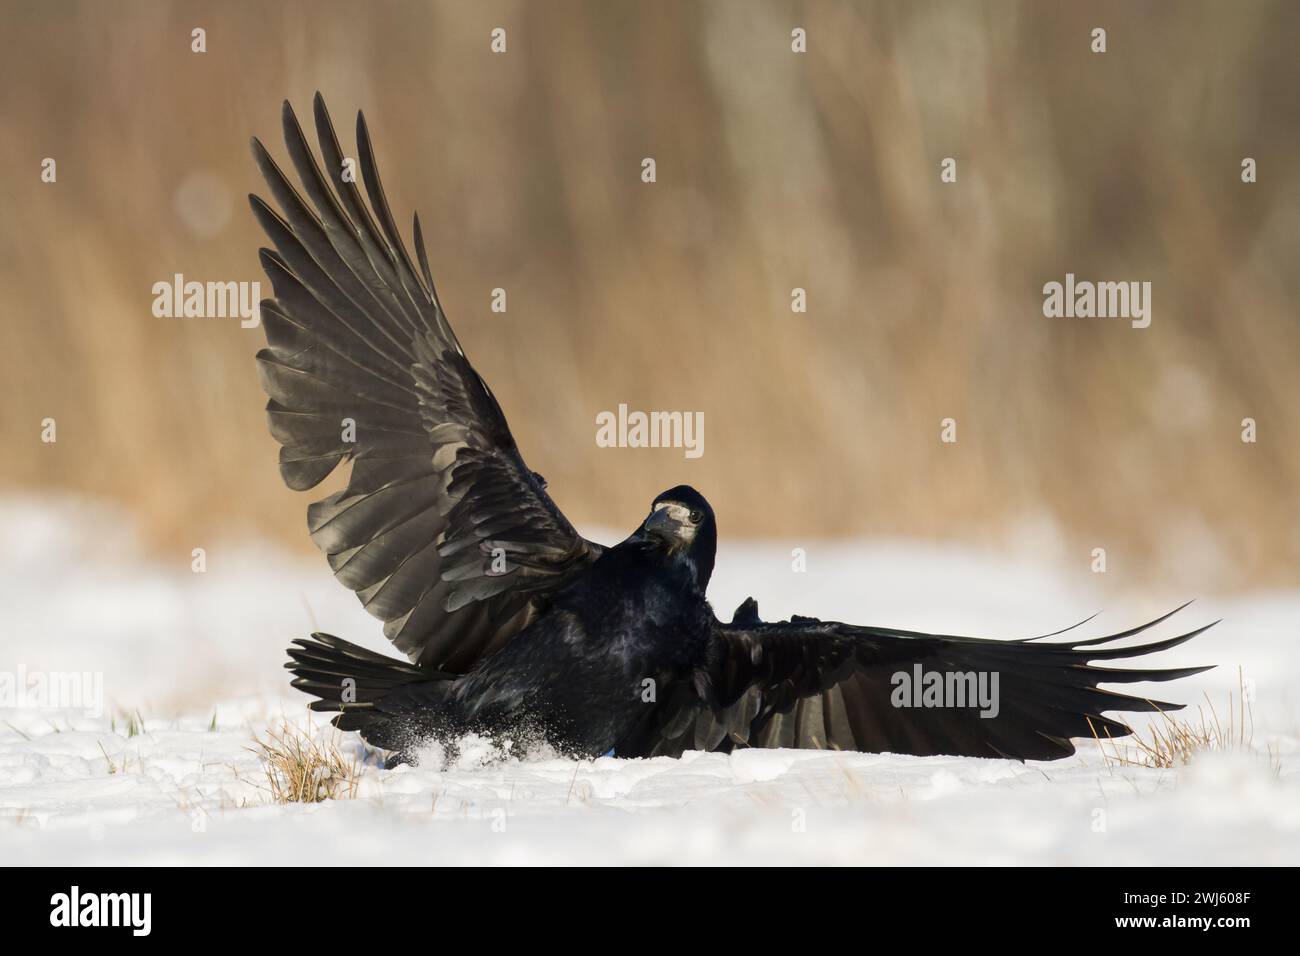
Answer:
(775, 170)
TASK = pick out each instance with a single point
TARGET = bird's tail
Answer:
(353, 682)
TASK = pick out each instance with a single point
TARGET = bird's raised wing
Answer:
(442, 530)
(820, 684)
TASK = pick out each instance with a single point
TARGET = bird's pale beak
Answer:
(662, 522)
(669, 522)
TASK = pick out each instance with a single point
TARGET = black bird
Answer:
(511, 621)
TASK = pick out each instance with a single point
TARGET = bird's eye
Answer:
(696, 516)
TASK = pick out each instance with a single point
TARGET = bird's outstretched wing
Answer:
(442, 530)
(820, 684)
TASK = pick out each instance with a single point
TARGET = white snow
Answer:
(198, 657)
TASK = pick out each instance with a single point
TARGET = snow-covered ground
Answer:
(197, 656)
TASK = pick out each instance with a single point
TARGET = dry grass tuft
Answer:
(116, 767)
(1172, 741)
(300, 769)
(133, 722)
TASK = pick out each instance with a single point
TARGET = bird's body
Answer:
(592, 663)
(584, 672)
(514, 623)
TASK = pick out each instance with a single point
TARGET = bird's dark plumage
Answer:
(514, 623)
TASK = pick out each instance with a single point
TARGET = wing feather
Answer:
(822, 684)
(362, 366)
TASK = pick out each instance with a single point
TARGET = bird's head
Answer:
(681, 523)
